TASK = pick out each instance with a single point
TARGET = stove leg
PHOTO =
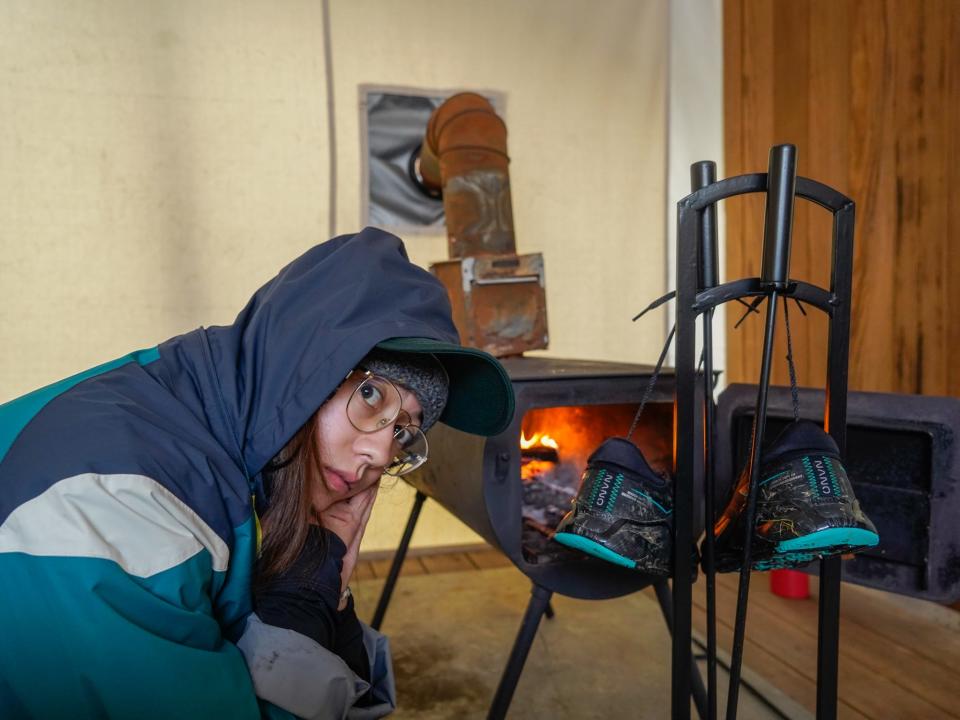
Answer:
(397, 562)
(697, 690)
(539, 600)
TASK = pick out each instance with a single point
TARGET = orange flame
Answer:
(532, 468)
(538, 439)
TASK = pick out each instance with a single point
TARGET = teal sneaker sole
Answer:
(798, 552)
(830, 539)
(578, 542)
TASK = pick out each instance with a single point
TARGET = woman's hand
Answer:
(348, 519)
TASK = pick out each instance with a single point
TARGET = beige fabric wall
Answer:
(159, 160)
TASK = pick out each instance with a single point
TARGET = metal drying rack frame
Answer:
(698, 294)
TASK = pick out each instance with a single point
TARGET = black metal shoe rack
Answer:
(698, 294)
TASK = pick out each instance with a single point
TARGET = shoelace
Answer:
(652, 382)
(751, 308)
(794, 393)
(791, 367)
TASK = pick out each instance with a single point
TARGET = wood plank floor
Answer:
(898, 658)
(893, 664)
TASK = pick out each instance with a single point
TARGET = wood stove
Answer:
(487, 482)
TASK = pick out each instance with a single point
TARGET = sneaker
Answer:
(806, 508)
(623, 511)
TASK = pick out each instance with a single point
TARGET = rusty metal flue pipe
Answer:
(464, 154)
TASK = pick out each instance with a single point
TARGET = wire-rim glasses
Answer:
(375, 404)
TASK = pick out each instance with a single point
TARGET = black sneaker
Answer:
(806, 508)
(623, 512)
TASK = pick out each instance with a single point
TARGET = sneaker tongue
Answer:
(801, 436)
(623, 453)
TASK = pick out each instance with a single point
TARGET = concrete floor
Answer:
(451, 634)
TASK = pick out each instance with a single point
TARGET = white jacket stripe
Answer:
(130, 519)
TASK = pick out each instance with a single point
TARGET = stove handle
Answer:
(501, 466)
(505, 280)
(471, 277)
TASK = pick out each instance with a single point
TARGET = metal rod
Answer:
(397, 563)
(539, 599)
(828, 638)
(709, 513)
(752, 287)
(835, 421)
(699, 693)
(686, 447)
(760, 419)
(703, 174)
(774, 277)
(778, 219)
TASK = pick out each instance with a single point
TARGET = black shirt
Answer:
(306, 596)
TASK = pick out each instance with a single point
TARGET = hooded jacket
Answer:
(127, 529)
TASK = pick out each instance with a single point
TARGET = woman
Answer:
(128, 526)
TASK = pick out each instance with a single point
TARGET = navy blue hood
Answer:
(303, 331)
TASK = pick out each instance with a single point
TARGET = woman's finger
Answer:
(368, 505)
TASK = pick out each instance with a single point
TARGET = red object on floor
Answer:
(791, 584)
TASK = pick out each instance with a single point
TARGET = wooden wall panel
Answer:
(952, 154)
(868, 91)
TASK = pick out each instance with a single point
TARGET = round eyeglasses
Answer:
(376, 403)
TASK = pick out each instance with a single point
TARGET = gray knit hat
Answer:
(422, 374)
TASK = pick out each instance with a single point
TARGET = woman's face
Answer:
(353, 460)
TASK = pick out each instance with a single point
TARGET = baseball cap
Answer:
(480, 399)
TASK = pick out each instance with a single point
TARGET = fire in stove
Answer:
(539, 454)
(548, 484)
(555, 444)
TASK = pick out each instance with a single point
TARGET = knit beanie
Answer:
(421, 374)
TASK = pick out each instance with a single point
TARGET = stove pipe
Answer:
(464, 154)
(498, 298)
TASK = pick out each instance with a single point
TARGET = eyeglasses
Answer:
(376, 403)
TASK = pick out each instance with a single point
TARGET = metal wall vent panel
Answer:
(392, 123)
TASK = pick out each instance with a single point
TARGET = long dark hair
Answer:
(289, 479)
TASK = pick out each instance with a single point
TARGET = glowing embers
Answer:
(554, 446)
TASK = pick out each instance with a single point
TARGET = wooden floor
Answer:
(426, 563)
(898, 658)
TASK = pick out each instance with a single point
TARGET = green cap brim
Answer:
(480, 399)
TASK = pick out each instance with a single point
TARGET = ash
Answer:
(547, 495)
(546, 499)
(539, 549)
